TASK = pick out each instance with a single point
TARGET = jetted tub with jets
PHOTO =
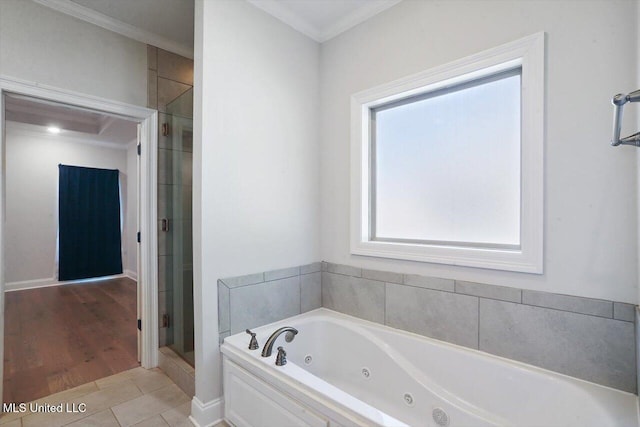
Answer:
(343, 371)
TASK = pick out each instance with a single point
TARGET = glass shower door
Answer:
(179, 280)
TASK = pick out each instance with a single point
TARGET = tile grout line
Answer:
(114, 416)
(175, 81)
(321, 287)
(566, 311)
(571, 311)
(478, 324)
(163, 418)
(384, 302)
(300, 294)
(427, 288)
(228, 310)
(157, 88)
(279, 278)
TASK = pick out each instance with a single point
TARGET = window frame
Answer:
(527, 54)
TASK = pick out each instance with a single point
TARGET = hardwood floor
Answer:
(60, 337)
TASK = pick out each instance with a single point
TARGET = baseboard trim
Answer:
(30, 284)
(206, 414)
(131, 275)
(45, 283)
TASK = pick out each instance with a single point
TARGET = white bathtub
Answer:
(361, 373)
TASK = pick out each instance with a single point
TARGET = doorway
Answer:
(143, 254)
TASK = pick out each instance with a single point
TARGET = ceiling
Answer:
(83, 125)
(323, 19)
(168, 24)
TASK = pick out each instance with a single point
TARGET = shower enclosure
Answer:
(175, 238)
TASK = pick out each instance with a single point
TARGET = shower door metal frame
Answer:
(148, 259)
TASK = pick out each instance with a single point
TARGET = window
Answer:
(447, 164)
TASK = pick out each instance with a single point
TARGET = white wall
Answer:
(590, 188)
(40, 45)
(32, 197)
(256, 167)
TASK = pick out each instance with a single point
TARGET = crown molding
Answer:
(350, 20)
(101, 20)
(276, 9)
(356, 17)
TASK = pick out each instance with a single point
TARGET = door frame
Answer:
(147, 200)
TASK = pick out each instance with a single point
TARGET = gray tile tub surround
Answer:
(583, 305)
(441, 315)
(390, 277)
(417, 308)
(263, 303)
(355, 296)
(583, 337)
(503, 293)
(593, 307)
(593, 348)
(257, 299)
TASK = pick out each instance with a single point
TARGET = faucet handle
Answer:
(281, 358)
(253, 344)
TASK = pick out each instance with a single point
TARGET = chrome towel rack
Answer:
(618, 101)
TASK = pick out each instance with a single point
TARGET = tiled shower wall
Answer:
(582, 337)
(169, 76)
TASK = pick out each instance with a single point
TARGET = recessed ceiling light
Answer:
(54, 129)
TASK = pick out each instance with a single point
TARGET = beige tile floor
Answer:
(137, 397)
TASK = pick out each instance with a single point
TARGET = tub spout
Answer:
(268, 346)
